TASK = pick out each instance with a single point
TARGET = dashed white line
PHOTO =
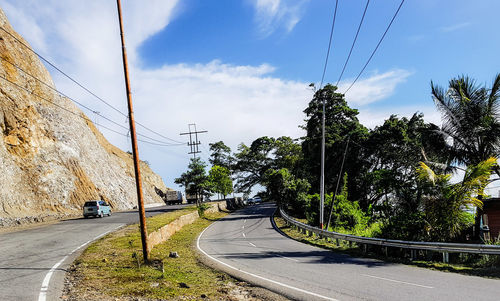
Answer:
(286, 257)
(252, 244)
(45, 283)
(397, 281)
(257, 276)
(243, 233)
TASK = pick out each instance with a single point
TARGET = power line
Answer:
(353, 43)
(329, 44)
(375, 50)
(126, 135)
(72, 99)
(81, 85)
(69, 111)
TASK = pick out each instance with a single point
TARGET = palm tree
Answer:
(470, 115)
(444, 202)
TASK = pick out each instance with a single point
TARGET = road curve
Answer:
(41, 255)
(246, 245)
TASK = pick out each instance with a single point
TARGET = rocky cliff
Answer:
(52, 157)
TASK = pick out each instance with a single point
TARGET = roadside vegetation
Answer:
(404, 179)
(467, 264)
(112, 267)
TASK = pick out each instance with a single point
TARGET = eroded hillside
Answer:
(52, 156)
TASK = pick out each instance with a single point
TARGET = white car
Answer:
(257, 200)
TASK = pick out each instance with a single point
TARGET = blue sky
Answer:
(241, 69)
(431, 39)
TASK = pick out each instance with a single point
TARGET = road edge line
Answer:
(42, 296)
(254, 275)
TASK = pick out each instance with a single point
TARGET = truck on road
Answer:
(173, 197)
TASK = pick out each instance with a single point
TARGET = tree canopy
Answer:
(220, 180)
(195, 179)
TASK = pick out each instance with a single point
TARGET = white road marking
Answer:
(45, 283)
(244, 221)
(243, 227)
(243, 233)
(257, 276)
(252, 244)
(286, 257)
(397, 281)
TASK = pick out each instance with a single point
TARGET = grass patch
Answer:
(156, 222)
(108, 268)
(485, 267)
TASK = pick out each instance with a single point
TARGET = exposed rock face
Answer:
(52, 157)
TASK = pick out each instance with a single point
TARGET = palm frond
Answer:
(425, 173)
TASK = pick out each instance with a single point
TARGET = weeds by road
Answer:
(112, 268)
(484, 267)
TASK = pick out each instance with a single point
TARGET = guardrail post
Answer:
(386, 251)
(413, 254)
(446, 257)
(337, 242)
(365, 247)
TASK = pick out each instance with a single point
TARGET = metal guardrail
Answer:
(442, 247)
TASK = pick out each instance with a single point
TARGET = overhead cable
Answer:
(81, 85)
(329, 44)
(70, 111)
(72, 99)
(375, 50)
(353, 43)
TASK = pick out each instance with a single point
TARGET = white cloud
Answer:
(273, 14)
(373, 88)
(455, 27)
(234, 103)
(372, 117)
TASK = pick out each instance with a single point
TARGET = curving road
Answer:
(33, 262)
(246, 245)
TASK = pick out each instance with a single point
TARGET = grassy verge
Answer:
(156, 222)
(478, 268)
(110, 269)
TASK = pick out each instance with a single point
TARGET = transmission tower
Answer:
(193, 144)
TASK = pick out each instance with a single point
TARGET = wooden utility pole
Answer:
(133, 136)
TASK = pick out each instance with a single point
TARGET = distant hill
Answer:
(52, 157)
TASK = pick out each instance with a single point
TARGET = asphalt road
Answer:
(246, 245)
(33, 262)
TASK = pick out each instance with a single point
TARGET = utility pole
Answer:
(193, 144)
(322, 178)
(133, 135)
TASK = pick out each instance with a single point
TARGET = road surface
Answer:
(246, 245)
(33, 262)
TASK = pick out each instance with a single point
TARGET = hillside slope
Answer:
(52, 157)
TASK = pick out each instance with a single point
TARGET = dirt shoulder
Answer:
(112, 269)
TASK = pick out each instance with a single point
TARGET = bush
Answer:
(202, 208)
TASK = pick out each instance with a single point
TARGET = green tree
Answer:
(470, 119)
(252, 162)
(393, 151)
(286, 190)
(221, 155)
(220, 180)
(444, 202)
(265, 153)
(195, 179)
(341, 122)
